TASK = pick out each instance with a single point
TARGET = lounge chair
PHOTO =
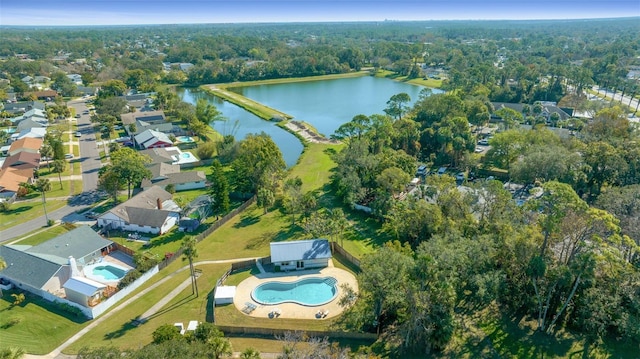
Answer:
(180, 327)
(249, 307)
(275, 313)
(325, 313)
(193, 325)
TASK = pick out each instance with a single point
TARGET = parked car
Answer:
(483, 142)
(68, 155)
(460, 177)
(78, 116)
(78, 134)
(442, 170)
(422, 171)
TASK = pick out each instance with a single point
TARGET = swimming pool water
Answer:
(184, 139)
(109, 272)
(309, 291)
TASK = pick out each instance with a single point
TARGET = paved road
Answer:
(626, 100)
(66, 214)
(90, 164)
(89, 154)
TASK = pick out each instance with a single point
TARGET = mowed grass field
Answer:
(34, 325)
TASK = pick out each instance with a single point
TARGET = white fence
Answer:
(103, 306)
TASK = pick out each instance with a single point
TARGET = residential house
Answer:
(23, 106)
(148, 120)
(75, 78)
(44, 269)
(160, 171)
(164, 174)
(27, 80)
(42, 79)
(87, 90)
(171, 155)
(10, 179)
(27, 144)
(46, 95)
(151, 211)
(298, 255)
(548, 108)
(34, 114)
(152, 139)
(28, 124)
(35, 132)
(22, 161)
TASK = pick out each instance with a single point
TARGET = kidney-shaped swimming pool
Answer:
(312, 291)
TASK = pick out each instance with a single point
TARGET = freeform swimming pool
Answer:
(105, 272)
(185, 139)
(312, 291)
(109, 272)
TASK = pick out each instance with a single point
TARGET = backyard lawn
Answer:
(119, 331)
(35, 325)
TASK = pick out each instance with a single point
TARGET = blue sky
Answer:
(118, 12)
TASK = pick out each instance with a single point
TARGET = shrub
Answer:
(5, 206)
(171, 188)
(65, 307)
(206, 150)
(129, 278)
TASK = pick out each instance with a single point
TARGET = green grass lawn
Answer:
(428, 82)
(40, 235)
(314, 166)
(38, 327)
(66, 190)
(21, 212)
(118, 329)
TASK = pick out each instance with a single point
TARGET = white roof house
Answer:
(301, 254)
(153, 139)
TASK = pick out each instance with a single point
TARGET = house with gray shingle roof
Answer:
(298, 255)
(43, 269)
(181, 180)
(151, 211)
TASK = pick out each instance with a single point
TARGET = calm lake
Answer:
(325, 104)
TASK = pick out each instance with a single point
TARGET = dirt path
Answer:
(308, 134)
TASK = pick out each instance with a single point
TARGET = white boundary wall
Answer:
(96, 311)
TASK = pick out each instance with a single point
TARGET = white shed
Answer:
(224, 294)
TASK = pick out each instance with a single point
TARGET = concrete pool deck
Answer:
(292, 310)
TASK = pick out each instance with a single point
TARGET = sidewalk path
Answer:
(56, 353)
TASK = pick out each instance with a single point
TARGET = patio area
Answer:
(245, 303)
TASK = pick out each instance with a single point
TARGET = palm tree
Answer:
(47, 151)
(43, 185)
(190, 253)
(250, 353)
(59, 167)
